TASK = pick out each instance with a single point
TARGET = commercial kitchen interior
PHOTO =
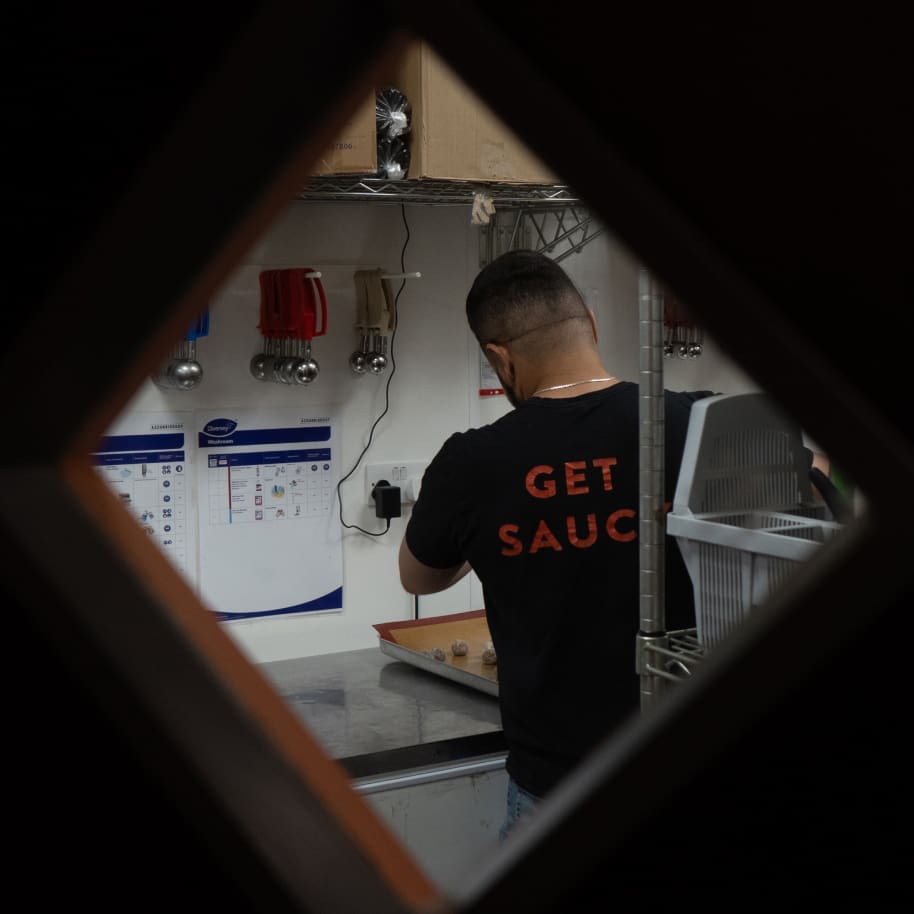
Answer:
(798, 272)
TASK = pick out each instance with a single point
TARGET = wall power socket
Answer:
(407, 474)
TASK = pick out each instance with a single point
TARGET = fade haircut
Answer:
(521, 292)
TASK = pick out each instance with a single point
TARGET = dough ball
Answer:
(437, 653)
(488, 656)
(460, 648)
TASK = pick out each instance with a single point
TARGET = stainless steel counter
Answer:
(377, 715)
(422, 749)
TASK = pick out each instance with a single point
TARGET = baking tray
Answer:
(408, 641)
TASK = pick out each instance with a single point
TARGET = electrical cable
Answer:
(390, 377)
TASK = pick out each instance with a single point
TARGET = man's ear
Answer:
(500, 359)
(593, 323)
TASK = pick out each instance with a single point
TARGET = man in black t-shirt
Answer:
(542, 505)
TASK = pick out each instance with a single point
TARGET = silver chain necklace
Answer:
(543, 390)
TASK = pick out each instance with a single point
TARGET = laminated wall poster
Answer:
(269, 539)
(241, 501)
(145, 460)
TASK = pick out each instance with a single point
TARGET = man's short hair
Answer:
(520, 292)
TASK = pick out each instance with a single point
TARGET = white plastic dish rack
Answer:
(743, 513)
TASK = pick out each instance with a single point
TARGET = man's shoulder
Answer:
(477, 441)
(458, 444)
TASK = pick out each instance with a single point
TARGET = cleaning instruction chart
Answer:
(241, 501)
(144, 458)
(269, 539)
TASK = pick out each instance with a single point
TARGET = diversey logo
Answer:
(219, 428)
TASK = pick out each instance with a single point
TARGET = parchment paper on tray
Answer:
(410, 640)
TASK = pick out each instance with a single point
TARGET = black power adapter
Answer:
(386, 500)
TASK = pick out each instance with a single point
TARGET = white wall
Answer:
(434, 389)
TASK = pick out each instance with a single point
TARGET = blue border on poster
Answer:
(332, 600)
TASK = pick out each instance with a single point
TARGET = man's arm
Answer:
(419, 578)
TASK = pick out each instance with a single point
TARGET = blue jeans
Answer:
(520, 804)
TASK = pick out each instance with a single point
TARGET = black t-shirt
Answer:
(543, 503)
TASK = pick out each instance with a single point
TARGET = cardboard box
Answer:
(454, 135)
(355, 151)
